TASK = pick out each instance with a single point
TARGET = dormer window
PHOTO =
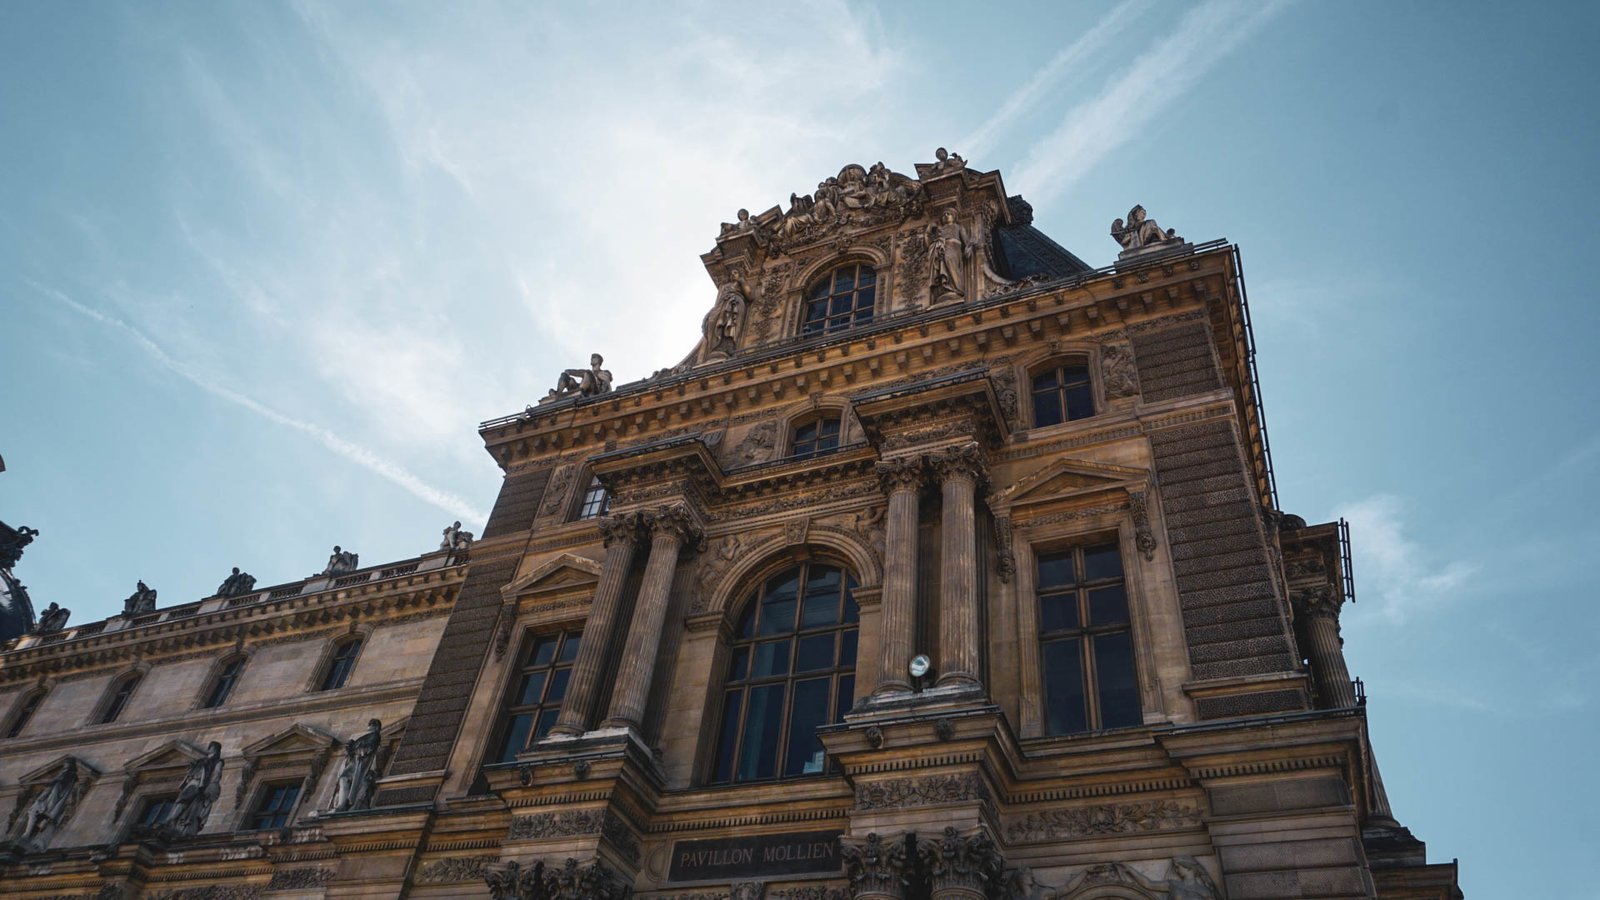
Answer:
(1062, 393)
(843, 299)
(814, 438)
(595, 500)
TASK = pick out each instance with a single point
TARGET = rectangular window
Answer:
(155, 810)
(275, 806)
(537, 689)
(1086, 641)
(595, 500)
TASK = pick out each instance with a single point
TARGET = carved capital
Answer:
(963, 461)
(876, 867)
(968, 863)
(904, 474)
(621, 528)
(541, 882)
(678, 522)
(1317, 601)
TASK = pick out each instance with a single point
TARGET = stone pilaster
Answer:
(902, 479)
(960, 469)
(672, 529)
(961, 866)
(621, 535)
(1318, 608)
(878, 867)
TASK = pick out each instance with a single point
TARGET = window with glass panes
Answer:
(225, 681)
(120, 695)
(536, 692)
(791, 670)
(344, 659)
(1062, 393)
(275, 806)
(1086, 641)
(30, 705)
(595, 500)
(844, 299)
(155, 811)
(815, 437)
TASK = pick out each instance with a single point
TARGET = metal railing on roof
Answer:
(1255, 382)
(1346, 570)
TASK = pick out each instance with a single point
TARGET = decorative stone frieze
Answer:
(299, 879)
(1113, 818)
(922, 790)
(456, 868)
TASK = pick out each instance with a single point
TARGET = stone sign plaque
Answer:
(722, 859)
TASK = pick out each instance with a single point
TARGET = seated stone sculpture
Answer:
(342, 562)
(142, 600)
(456, 541)
(1140, 232)
(237, 584)
(581, 382)
(53, 619)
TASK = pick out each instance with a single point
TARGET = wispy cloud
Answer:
(351, 451)
(1141, 92)
(1074, 56)
(1400, 574)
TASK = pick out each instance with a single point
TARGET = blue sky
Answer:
(264, 267)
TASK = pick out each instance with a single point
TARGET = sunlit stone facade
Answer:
(942, 566)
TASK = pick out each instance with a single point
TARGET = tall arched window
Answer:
(121, 692)
(223, 684)
(791, 671)
(25, 711)
(843, 299)
(340, 665)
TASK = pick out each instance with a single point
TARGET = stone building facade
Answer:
(944, 566)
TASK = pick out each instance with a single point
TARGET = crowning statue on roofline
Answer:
(581, 382)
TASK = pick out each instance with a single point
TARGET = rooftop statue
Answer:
(726, 319)
(237, 585)
(1140, 232)
(342, 562)
(201, 786)
(581, 382)
(945, 162)
(53, 619)
(142, 600)
(12, 542)
(456, 541)
(950, 249)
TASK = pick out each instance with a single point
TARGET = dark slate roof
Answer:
(1025, 250)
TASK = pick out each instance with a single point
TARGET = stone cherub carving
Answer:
(724, 323)
(142, 600)
(581, 382)
(342, 561)
(53, 619)
(456, 541)
(200, 788)
(49, 809)
(358, 773)
(950, 250)
(1140, 231)
(236, 585)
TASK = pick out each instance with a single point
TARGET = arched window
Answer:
(1062, 393)
(815, 437)
(223, 684)
(25, 710)
(596, 500)
(791, 671)
(842, 299)
(121, 692)
(1086, 641)
(339, 666)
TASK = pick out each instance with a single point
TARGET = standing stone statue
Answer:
(237, 584)
(949, 250)
(1141, 232)
(53, 619)
(581, 382)
(726, 319)
(358, 774)
(342, 561)
(49, 808)
(142, 600)
(201, 787)
(456, 541)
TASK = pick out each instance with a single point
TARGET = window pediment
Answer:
(1072, 479)
(565, 572)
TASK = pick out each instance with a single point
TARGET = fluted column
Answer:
(902, 478)
(1318, 608)
(959, 470)
(672, 528)
(621, 535)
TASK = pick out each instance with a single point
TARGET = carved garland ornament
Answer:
(456, 868)
(898, 793)
(1120, 818)
(1143, 535)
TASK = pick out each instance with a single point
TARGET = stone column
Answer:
(902, 478)
(878, 867)
(1318, 608)
(961, 866)
(959, 469)
(673, 528)
(621, 535)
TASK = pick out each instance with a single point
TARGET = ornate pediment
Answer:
(1069, 478)
(174, 754)
(292, 740)
(565, 571)
(48, 772)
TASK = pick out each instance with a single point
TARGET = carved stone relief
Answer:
(1117, 370)
(898, 793)
(1117, 818)
(1144, 536)
(456, 868)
